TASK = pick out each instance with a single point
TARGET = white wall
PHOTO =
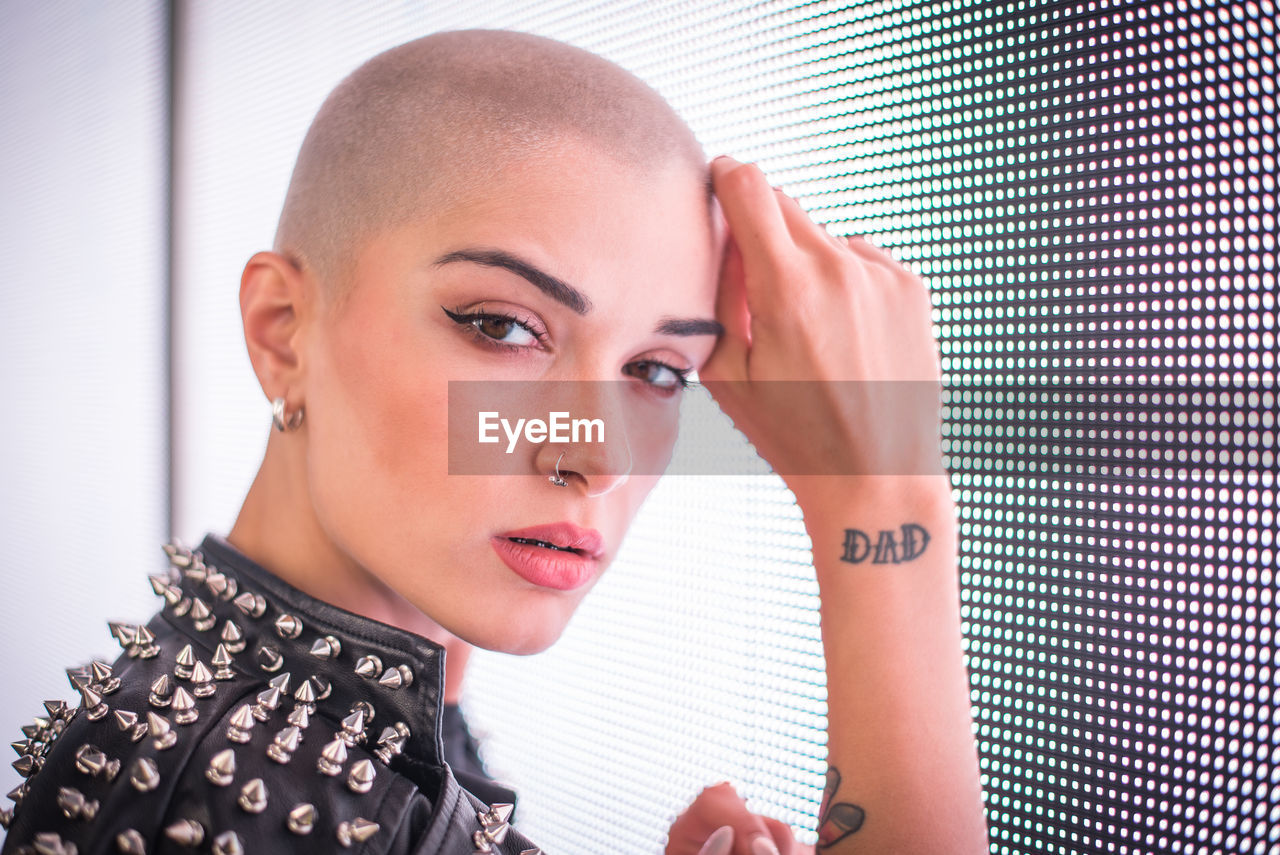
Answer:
(83, 438)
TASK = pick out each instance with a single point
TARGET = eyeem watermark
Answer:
(558, 427)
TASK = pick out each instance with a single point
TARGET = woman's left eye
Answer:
(659, 375)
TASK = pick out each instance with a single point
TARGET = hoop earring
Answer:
(557, 479)
(280, 419)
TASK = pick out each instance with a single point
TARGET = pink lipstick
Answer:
(560, 556)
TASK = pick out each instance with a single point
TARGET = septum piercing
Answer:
(556, 478)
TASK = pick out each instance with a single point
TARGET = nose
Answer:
(596, 457)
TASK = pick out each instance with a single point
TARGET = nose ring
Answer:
(556, 479)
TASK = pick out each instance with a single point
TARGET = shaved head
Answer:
(425, 124)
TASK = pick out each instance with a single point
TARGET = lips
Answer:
(561, 537)
(560, 556)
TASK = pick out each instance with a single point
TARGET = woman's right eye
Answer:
(495, 328)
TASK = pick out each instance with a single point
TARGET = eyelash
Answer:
(469, 320)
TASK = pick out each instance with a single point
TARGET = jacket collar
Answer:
(239, 611)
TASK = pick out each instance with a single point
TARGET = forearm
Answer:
(899, 728)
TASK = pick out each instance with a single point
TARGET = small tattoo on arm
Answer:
(891, 546)
(836, 821)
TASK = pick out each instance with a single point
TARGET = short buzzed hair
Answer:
(422, 123)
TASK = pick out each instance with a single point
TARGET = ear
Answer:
(275, 303)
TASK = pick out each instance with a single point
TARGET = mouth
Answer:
(528, 541)
(562, 537)
(559, 556)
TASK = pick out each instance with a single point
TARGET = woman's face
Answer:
(502, 560)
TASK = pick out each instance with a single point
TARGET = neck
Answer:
(277, 528)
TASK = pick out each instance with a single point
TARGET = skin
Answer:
(362, 487)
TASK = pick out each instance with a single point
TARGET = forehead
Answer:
(605, 226)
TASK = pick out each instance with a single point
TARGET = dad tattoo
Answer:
(890, 547)
(836, 821)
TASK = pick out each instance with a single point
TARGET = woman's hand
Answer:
(828, 363)
(718, 823)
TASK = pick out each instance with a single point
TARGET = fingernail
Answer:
(763, 845)
(723, 162)
(720, 842)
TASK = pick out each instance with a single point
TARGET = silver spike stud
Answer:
(74, 805)
(123, 633)
(184, 707)
(201, 616)
(288, 626)
(269, 659)
(103, 680)
(6, 817)
(79, 676)
(18, 793)
(369, 667)
(183, 663)
(353, 727)
(172, 595)
(222, 768)
(130, 842)
(397, 677)
(241, 724)
(162, 735)
(228, 843)
(299, 718)
(145, 775)
(21, 747)
(90, 760)
(326, 647)
(27, 765)
(360, 778)
(357, 830)
(181, 604)
(498, 812)
(125, 720)
(94, 708)
(285, 743)
(268, 700)
(305, 696)
(390, 744)
(302, 819)
(202, 681)
(49, 843)
(321, 686)
(490, 837)
(222, 663)
(253, 796)
(332, 757)
(186, 832)
(161, 692)
(217, 583)
(57, 709)
(281, 682)
(251, 604)
(159, 584)
(233, 637)
(144, 644)
(366, 708)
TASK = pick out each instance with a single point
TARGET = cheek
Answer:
(383, 397)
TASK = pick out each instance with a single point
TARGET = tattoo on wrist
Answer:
(891, 546)
(836, 821)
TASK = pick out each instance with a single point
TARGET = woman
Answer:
(491, 206)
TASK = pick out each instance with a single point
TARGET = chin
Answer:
(520, 631)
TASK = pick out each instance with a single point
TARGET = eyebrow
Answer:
(562, 292)
(556, 289)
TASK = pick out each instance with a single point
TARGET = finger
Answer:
(752, 211)
(729, 359)
(719, 843)
(803, 230)
(782, 835)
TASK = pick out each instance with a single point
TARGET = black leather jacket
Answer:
(247, 716)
